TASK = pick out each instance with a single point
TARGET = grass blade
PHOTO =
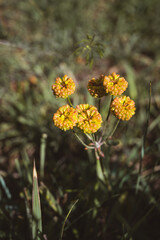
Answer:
(131, 80)
(50, 199)
(62, 230)
(4, 186)
(27, 165)
(42, 154)
(36, 208)
(144, 140)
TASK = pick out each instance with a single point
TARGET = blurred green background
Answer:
(38, 39)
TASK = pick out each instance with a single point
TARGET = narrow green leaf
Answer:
(99, 170)
(50, 199)
(4, 186)
(62, 230)
(131, 80)
(18, 166)
(42, 154)
(36, 208)
(144, 140)
(28, 210)
(27, 164)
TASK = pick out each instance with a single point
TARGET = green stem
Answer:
(69, 101)
(105, 123)
(85, 145)
(103, 171)
(99, 105)
(62, 230)
(109, 109)
(113, 131)
(89, 136)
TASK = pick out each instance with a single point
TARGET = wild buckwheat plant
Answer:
(87, 118)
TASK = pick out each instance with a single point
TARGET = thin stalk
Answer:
(99, 105)
(109, 109)
(103, 171)
(144, 140)
(62, 230)
(89, 136)
(85, 145)
(105, 123)
(113, 131)
(69, 101)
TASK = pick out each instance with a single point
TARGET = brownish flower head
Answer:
(63, 87)
(123, 107)
(114, 84)
(89, 119)
(65, 118)
(96, 88)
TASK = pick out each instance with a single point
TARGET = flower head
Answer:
(114, 84)
(63, 87)
(65, 118)
(123, 107)
(96, 88)
(89, 119)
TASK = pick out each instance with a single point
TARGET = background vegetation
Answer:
(37, 43)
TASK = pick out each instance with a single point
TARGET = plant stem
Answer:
(85, 145)
(105, 123)
(109, 109)
(103, 171)
(99, 105)
(69, 101)
(62, 230)
(113, 131)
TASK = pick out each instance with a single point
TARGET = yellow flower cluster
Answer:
(123, 107)
(65, 118)
(85, 116)
(114, 84)
(96, 88)
(89, 119)
(63, 87)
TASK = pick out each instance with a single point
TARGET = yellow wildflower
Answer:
(123, 107)
(65, 118)
(114, 84)
(96, 88)
(89, 119)
(63, 87)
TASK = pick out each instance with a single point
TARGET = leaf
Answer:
(131, 80)
(144, 140)
(5, 188)
(50, 199)
(62, 230)
(42, 154)
(36, 208)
